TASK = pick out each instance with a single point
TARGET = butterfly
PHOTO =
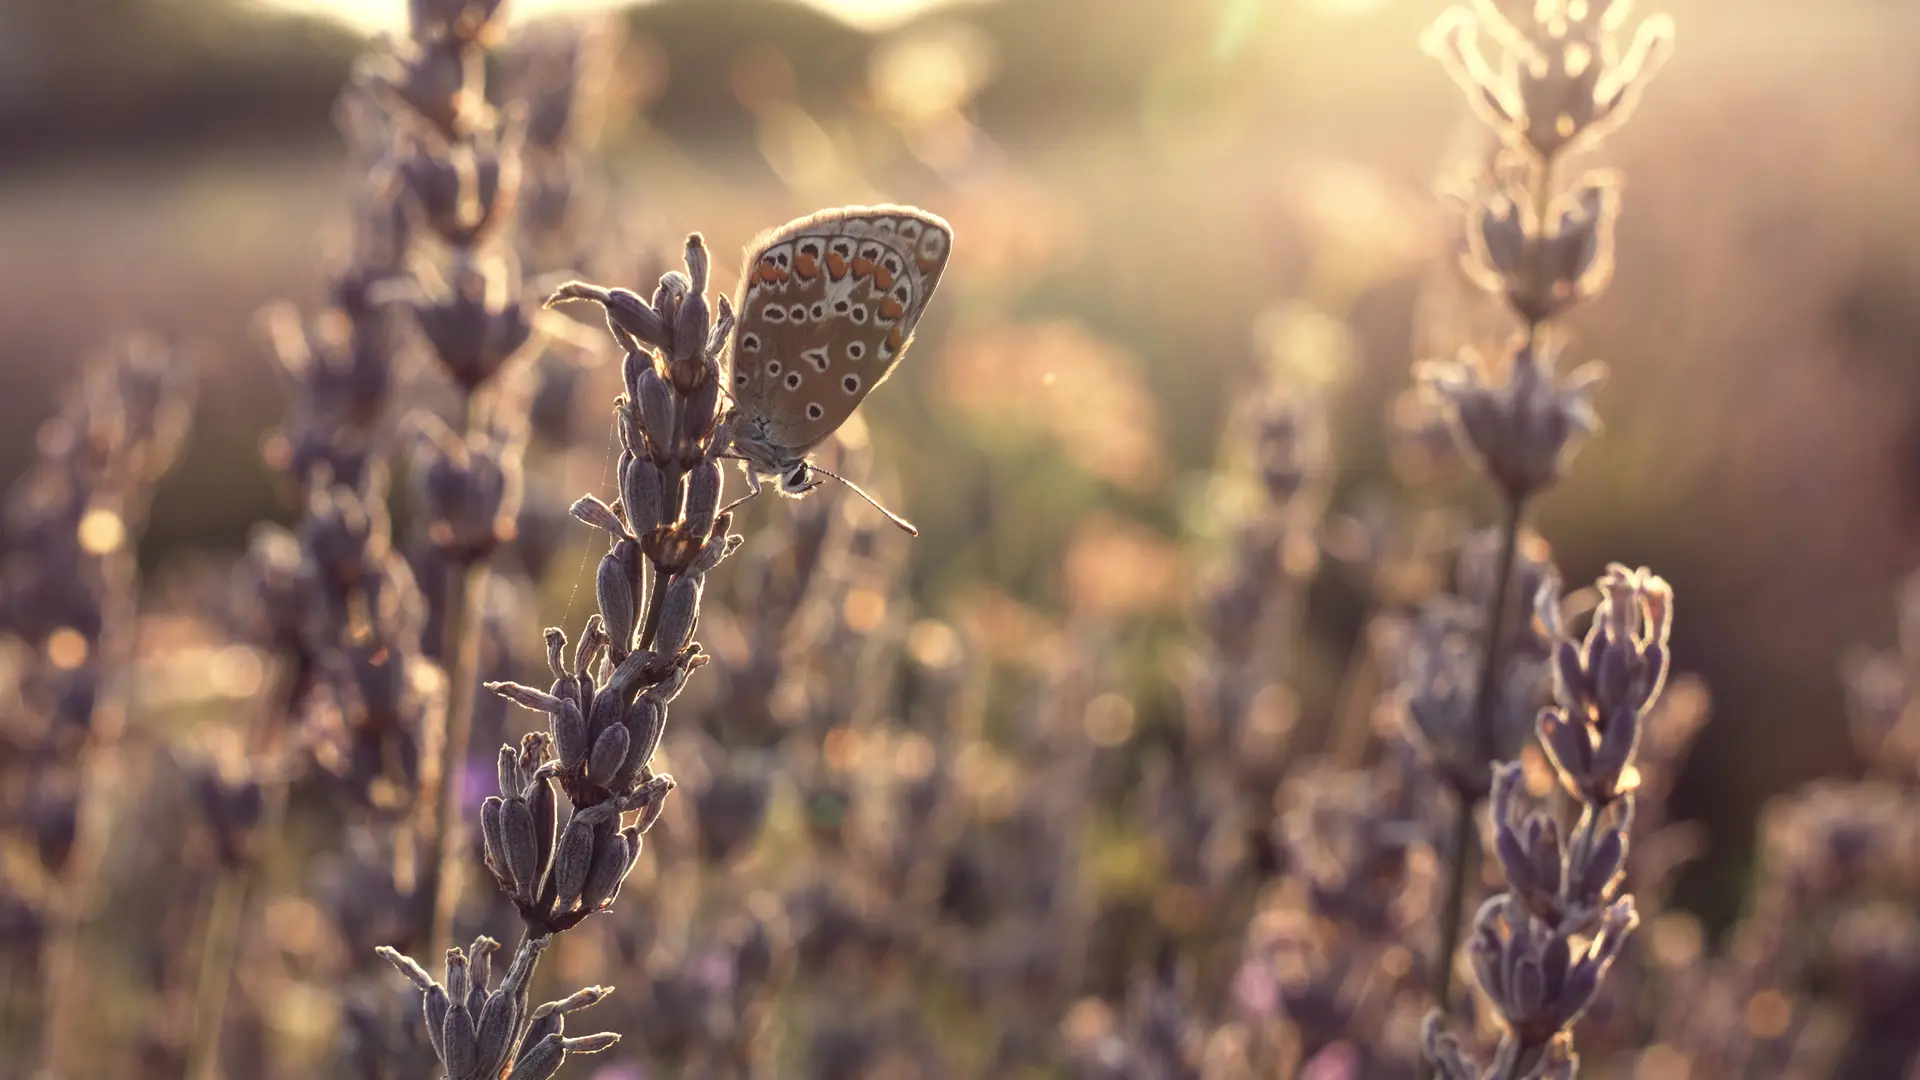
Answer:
(825, 312)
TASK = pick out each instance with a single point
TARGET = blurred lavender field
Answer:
(1083, 780)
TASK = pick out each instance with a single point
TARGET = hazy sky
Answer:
(388, 14)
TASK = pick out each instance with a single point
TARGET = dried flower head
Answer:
(1522, 429)
(1561, 78)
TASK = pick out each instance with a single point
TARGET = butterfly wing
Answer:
(826, 310)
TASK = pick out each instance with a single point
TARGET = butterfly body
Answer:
(826, 309)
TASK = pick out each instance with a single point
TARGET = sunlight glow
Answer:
(374, 16)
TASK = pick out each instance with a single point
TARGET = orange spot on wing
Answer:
(806, 265)
(890, 309)
(770, 273)
(862, 267)
(894, 340)
(926, 265)
(882, 278)
(836, 265)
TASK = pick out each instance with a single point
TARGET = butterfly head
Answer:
(764, 459)
(799, 479)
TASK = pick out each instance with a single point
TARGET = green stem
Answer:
(63, 967)
(218, 947)
(1466, 847)
(219, 943)
(441, 861)
(1464, 866)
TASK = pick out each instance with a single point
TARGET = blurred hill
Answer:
(139, 76)
(125, 76)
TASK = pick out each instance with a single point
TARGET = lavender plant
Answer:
(607, 708)
(1541, 949)
(68, 600)
(457, 160)
(1561, 83)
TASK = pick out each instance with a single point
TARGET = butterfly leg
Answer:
(749, 495)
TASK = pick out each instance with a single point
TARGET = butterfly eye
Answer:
(740, 379)
(811, 247)
(909, 230)
(842, 248)
(798, 313)
(870, 252)
(773, 367)
(750, 342)
(782, 259)
(902, 292)
(793, 381)
(892, 263)
(858, 315)
(851, 384)
(816, 357)
(814, 411)
(841, 307)
(855, 350)
(774, 313)
(819, 312)
(932, 244)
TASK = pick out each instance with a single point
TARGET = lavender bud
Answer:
(435, 1004)
(702, 413)
(1606, 863)
(459, 978)
(598, 514)
(1529, 987)
(646, 722)
(663, 692)
(1613, 670)
(570, 735)
(571, 861)
(1617, 744)
(1568, 744)
(633, 437)
(674, 285)
(611, 859)
(690, 322)
(517, 837)
(407, 966)
(524, 696)
(544, 1023)
(493, 1035)
(493, 840)
(628, 316)
(631, 367)
(677, 615)
(609, 754)
(650, 799)
(544, 812)
(716, 549)
(1570, 677)
(592, 1044)
(480, 961)
(641, 493)
(457, 1048)
(615, 586)
(722, 331)
(541, 1060)
(704, 485)
(656, 412)
(507, 772)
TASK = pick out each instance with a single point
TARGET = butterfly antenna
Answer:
(905, 525)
